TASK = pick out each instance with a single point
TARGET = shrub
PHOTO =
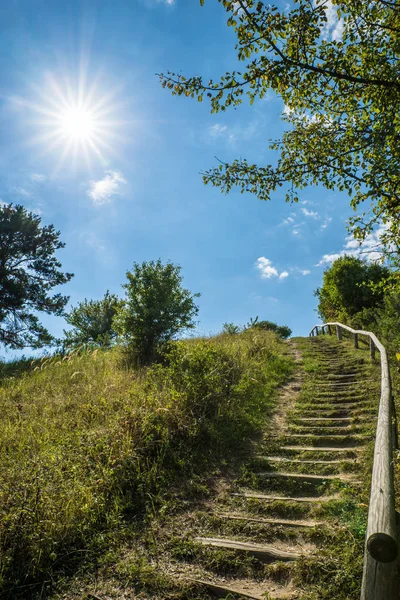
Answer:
(282, 330)
(230, 328)
(157, 308)
(92, 321)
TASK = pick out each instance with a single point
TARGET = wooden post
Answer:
(356, 340)
(329, 330)
(395, 433)
(317, 329)
(372, 348)
(339, 332)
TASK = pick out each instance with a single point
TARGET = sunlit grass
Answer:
(90, 448)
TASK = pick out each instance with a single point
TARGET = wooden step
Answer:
(336, 437)
(339, 376)
(284, 459)
(277, 522)
(339, 419)
(321, 430)
(224, 589)
(343, 406)
(342, 385)
(318, 449)
(270, 498)
(262, 552)
(305, 477)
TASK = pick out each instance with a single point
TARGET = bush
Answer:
(230, 328)
(92, 322)
(157, 308)
(283, 331)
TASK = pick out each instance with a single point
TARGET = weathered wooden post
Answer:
(329, 330)
(339, 332)
(356, 340)
(372, 348)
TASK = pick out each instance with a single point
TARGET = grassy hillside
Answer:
(91, 449)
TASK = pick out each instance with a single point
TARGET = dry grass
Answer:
(90, 448)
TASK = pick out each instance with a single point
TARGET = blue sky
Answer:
(139, 196)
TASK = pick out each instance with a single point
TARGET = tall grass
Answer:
(89, 447)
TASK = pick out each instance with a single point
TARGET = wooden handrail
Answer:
(381, 574)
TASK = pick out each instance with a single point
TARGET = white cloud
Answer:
(310, 213)
(334, 26)
(268, 270)
(288, 221)
(232, 135)
(93, 241)
(105, 190)
(305, 271)
(326, 222)
(38, 177)
(369, 249)
(217, 130)
(153, 3)
(337, 33)
(22, 192)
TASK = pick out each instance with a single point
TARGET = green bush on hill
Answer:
(89, 448)
(283, 331)
(92, 322)
(156, 309)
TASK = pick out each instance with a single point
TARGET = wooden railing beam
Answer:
(381, 560)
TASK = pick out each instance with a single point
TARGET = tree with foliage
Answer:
(29, 271)
(156, 309)
(335, 66)
(282, 331)
(230, 328)
(352, 291)
(92, 321)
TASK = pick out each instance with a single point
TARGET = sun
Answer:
(78, 123)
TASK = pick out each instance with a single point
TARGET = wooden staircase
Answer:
(310, 460)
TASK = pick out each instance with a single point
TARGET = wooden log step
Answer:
(339, 376)
(339, 397)
(336, 437)
(318, 449)
(277, 522)
(300, 461)
(270, 498)
(321, 430)
(334, 406)
(336, 419)
(262, 552)
(347, 442)
(343, 383)
(236, 589)
(325, 425)
(328, 397)
(305, 477)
